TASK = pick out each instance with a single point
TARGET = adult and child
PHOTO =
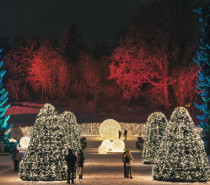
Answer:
(128, 161)
(74, 162)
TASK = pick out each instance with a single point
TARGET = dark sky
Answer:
(99, 20)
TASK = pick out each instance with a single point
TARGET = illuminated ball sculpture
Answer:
(102, 149)
(107, 143)
(109, 129)
(24, 142)
(118, 145)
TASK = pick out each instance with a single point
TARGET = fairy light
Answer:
(102, 149)
(155, 127)
(45, 157)
(181, 156)
(24, 142)
(118, 145)
(107, 143)
(109, 129)
(69, 122)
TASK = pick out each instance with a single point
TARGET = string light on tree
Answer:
(109, 129)
(181, 156)
(118, 145)
(69, 122)
(155, 127)
(45, 157)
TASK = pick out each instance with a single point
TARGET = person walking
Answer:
(125, 135)
(71, 162)
(128, 160)
(125, 169)
(80, 163)
(119, 134)
(16, 157)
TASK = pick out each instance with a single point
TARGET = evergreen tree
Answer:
(5, 130)
(69, 122)
(45, 157)
(203, 61)
(155, 127)
(181, 156)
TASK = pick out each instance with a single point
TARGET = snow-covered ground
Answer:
(100, 169)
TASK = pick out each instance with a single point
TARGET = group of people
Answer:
(75, 163)
(125, 134)
(128, 161)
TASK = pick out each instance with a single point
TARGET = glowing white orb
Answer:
(12, 140)
(118, 145)
(102, 149)
(109, 129)
(107, 143)
(24, 142)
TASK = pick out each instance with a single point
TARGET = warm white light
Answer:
(109, 129)
(12, 140)
(107, 143)
(24, 142)
(102, 149)
(118, 145)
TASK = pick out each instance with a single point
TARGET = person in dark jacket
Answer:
(119, 134)
(16, 156)
(71, 162)
(80, 163)
(128, 161)
(125, 135)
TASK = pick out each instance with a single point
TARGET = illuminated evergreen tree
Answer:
(155, 127)
(181, 156)
(203, 61)
(45, 157)
(5, 130)
(69, 122)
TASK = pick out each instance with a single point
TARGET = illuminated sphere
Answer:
(109, 129)
(24, 142)
(107, 143)
(102, 149)
(118, 145)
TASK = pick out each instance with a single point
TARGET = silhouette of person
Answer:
(16, 156)
(119, 134)
(125, 134)
(71, 161)
(80, 163)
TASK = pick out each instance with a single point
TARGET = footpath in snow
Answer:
(99, 169)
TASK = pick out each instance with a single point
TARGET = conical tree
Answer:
(5, 130)
(181, 156)
(69, 122)
(45, 157)
(155, 127)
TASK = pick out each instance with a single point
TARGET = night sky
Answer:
(99, 20)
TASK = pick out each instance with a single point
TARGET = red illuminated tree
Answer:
(48, 73)
(136, 65)
(87, 79)
(185, 86)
